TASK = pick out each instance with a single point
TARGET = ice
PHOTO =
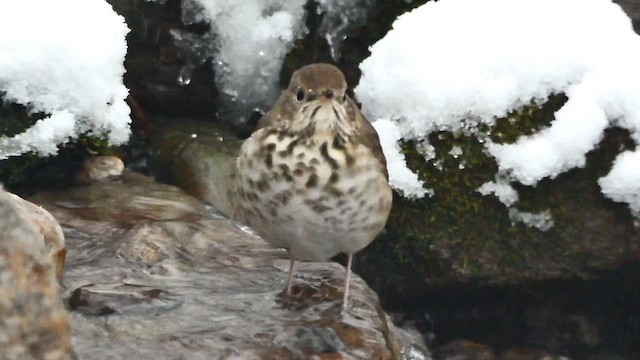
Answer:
(340, 18)
(66, 61)
(248, 41)
(455, 64)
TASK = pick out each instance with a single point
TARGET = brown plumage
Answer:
(312, 178)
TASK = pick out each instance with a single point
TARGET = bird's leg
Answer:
(346, 283)
(290, 282)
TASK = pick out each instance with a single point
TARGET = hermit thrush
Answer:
(312, 178)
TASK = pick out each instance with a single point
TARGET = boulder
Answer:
(154, 274)
(33, 321)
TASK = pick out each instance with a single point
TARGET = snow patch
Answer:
(456, 64)
(65, 61)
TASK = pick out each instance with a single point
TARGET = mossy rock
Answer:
(24, 173)
(196, 156)
(460, 236)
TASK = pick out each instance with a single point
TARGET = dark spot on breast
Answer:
(282, 198)
(300, 156)
(335, 112)
(259, 213)
(312, 181)
(309, 131)
(263, 185)
(273, 211)
(334, 192)
(338, 142)
(316, 205)
(325, 155)
(349, 159)
(286, 173)
(314, 161)
(314, 112)
(332, 220)
(269, 160)
(270, 147)
(351, 190)
(333, 178)
(291, 146)
(298, 172)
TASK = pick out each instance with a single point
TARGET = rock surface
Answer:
(153, 274)
(197, 157)
(45, 224)
(454, 237)
(33, 322)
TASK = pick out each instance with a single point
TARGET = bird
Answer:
(312, 178)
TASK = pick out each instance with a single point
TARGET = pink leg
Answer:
(346, 283)
(290, 282)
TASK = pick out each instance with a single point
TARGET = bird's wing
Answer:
(367, 136)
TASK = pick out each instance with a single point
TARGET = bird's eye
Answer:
(300, 94)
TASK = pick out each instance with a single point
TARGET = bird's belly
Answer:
(316, 225)
(312, 208)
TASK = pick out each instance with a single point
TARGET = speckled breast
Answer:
(315, 196)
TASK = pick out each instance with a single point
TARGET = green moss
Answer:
(459, 235)
(527, 120)
(20, 173)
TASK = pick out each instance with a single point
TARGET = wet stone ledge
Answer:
(151, 273)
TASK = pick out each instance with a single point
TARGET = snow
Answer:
(249, 40)
(502, 189)
(65, 59)
(455, 64)
(542, 221)
(399, 174)
(622, 184)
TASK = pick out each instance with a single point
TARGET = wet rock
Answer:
(464, 350)
(45, 224)
(99, 168)
(122, 299)
(154, 63)
(632, 9)
(460, 237)
(605, 355)
(559, 325)
(33, 322)
(526, 354)
(153, 274)
(197, 157)
(446, 239)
